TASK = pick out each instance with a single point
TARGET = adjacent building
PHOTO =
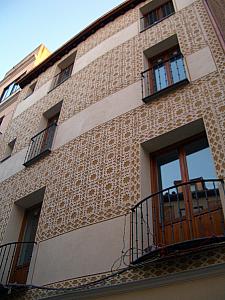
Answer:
(9, 91)
(115, 185)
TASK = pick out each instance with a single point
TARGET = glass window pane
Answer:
(29, 236)
(10, 90)
(15, 88)
(150, 18)
(160, 77)
(199, 161)
(167, 9)
(169, 169)
(169, 172)
(177, 69)
(7, 92)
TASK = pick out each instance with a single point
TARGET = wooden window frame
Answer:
(165, 58)
(154, 181)
(158, 11)
(20, 239)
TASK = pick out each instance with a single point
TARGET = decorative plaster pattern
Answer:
(151, 270)
(108, 74)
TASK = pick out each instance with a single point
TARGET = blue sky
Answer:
(24, 24)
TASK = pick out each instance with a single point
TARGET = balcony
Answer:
(14, 263)
(40, 145)
(62, 76)
(146, 22)
(180, 218)
(164, 76)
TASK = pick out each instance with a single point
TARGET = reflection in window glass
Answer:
(169, 175)
(200, 161)
(12, 88)
(167, 9)
(177, 69)
(169, 169)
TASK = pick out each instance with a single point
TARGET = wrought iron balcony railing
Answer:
(13, 257)
(62, 76)
(146, 22)
(157, 15)
(163, 76)
(180, 217)
(40, 145)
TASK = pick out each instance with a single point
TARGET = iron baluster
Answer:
(136, 232)
(171, 221)
(209, 209)
(142, 234)
(147, 220)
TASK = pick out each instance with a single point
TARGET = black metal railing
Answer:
(180, 215)
(11, 256)
(146, 22)
(62, 76)
(163, 75)
(40, 144)
(157, 15)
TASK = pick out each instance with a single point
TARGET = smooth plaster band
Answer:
(199, 64)
(112, 42)
(81, 252)
(101, 49)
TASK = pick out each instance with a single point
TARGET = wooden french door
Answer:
(188, 207)
(167, 69)
(24, 251)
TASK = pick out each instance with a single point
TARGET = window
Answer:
(9, 149)
(165, 71)
(24, 249)
(64, 71)
(154, 15)
(1, 119)
(63, 75)
(9, 90)
(31, 89)
(184, 207)
(41, 143)
(188, 190)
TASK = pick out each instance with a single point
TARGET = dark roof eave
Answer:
(77, 39)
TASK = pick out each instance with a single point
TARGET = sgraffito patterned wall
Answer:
(97, 175)
(148, 271)
(108, 74)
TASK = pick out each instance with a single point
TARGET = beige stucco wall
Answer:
(207, 289)
(217, 9)
(32, 99)
(180, 4)
(7, 112)
(81, 252)
(200, 63)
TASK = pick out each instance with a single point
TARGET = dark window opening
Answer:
(156, 15)
(63, 75)
(9, 149)
(31, 89)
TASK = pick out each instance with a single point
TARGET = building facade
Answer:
(115, 186)
(9, 91)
